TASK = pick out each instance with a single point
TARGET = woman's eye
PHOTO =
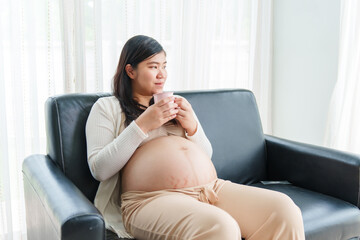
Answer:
(154, 67)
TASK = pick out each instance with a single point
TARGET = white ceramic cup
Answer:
(159, 96)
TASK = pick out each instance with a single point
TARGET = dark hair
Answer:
(135, 50)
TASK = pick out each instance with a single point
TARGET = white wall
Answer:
(305, 57)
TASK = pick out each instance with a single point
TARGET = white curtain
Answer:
(50, 47)
(210, 44)
(343, 129)
(30, 71)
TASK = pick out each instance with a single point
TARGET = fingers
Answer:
(174, 107)
(171, 111)
(185, 109)
(181, 112)
(168, 108)
(165, 101)
(170, 117)
(158, 114)
(183, 103)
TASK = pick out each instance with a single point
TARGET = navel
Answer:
(184, 148)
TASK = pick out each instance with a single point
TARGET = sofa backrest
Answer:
(230, 119)
(65, 120)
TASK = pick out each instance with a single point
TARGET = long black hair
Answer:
(135, 50)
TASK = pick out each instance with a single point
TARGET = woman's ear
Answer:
(130, 71)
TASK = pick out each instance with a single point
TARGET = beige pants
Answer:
(218, 210)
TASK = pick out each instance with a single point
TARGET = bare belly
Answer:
(167, 163)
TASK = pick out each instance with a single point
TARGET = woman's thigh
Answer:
(252, 207)
(178, 216)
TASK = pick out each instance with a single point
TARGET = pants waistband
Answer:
(205, 193)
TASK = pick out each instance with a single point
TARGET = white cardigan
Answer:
(110, 145)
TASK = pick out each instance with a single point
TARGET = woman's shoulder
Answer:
(107, 100)
(108, 104)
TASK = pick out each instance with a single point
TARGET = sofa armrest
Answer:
(55, 207)
(320, 169)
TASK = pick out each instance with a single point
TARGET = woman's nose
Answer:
(162, 73)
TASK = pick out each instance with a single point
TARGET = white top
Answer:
(110, 145)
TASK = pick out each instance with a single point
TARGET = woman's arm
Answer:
(108, 153)
(200, 138)
(189, 121)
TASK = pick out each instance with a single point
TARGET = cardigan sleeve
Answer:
(108, 153)
(200, 138)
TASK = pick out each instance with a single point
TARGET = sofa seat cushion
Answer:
(324, 217)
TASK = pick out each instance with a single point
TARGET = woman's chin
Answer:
(158, 90)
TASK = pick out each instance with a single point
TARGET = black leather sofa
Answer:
(324, 183)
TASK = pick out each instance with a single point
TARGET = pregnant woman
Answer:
(153, 161)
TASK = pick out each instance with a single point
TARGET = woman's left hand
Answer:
(185, 116)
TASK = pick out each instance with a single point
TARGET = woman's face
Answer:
(150, 75)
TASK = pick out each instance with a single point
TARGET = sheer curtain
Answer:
(30, 71)
(52, 47)
(343, 129)
(209, 43)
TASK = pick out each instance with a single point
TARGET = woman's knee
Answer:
(219, 226)
(287, 211)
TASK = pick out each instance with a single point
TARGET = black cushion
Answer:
(231, 121)
(321, 213)
(66, 117)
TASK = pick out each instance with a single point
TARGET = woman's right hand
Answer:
(157, 114)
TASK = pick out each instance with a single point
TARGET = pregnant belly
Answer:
(167, 163)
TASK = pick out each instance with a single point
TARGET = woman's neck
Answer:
(143, 100)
